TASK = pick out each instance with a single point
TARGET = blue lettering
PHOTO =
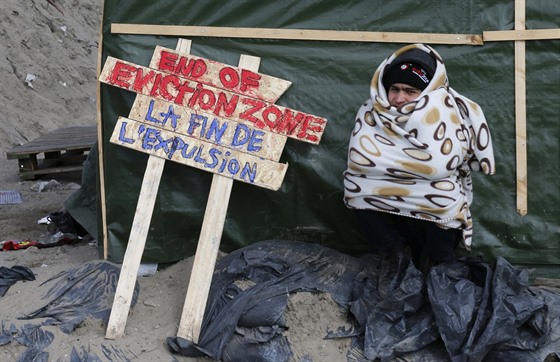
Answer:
(237, 139)
(247, 171)
(217, 130)
(149, 138)
(122, 133)
(170, 114)
(233, 166)
(193, 123)
(190, 154)
(178, 144)
(166, 116)
(213, 152)
(256, 139)
(162, 143)
(198, 158)
(149, 117)
(243, 135)
(224, 162)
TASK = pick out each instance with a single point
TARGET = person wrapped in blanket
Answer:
(410, 157)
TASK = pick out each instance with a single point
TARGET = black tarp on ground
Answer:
(9, 276)
(73, 295)
(330, 79)
(477, 309)
(481, 311)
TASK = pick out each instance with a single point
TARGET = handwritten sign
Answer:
(207, 115)
(222, 103)
(208, 156)
(208, 127)
(219, 75)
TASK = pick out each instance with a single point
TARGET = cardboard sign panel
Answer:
(207, 127)
(219, 75)
(199, 154)
(222, 103)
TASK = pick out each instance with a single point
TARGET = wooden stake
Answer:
(296, 34)
(522, 34)
(137, 238)
(520, 112)
(100, 155)
(208, 245)
(135, 248)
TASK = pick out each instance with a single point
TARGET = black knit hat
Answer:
(414, 67)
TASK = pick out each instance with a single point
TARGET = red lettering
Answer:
(312, 138)
(121, 74)
(319, 124)
(307, 124)
(255, 106)
(289, 123)
(167, 61)
(303, 128)
(227, 106)
(192, 68)
(199, 68)
(275, 112)
(194, 97)
(164, 85)
(184, 67)
(249, 79)
(155, 87)
(141, 81)
(207, 99)
(182, 89)
(229, 77)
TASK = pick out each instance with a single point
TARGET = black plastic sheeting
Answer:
(31, 336)
(36, 339)
(9, 276)
(78, 293)
(478, 310)
(75, 294)
(489, 305)
(331, 79)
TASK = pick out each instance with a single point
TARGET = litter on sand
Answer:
(10, 197)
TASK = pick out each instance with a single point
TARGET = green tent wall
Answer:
(330, 79)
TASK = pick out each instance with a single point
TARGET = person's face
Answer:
(400, 93)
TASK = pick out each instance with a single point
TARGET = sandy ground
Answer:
(59, 52)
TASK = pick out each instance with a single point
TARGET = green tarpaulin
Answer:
(331, 80)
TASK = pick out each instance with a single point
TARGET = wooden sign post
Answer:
(520, 112)
(208, 245)
(210, 116)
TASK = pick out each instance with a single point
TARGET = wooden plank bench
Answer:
(63, 150)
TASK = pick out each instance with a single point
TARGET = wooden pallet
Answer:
(63, 150)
